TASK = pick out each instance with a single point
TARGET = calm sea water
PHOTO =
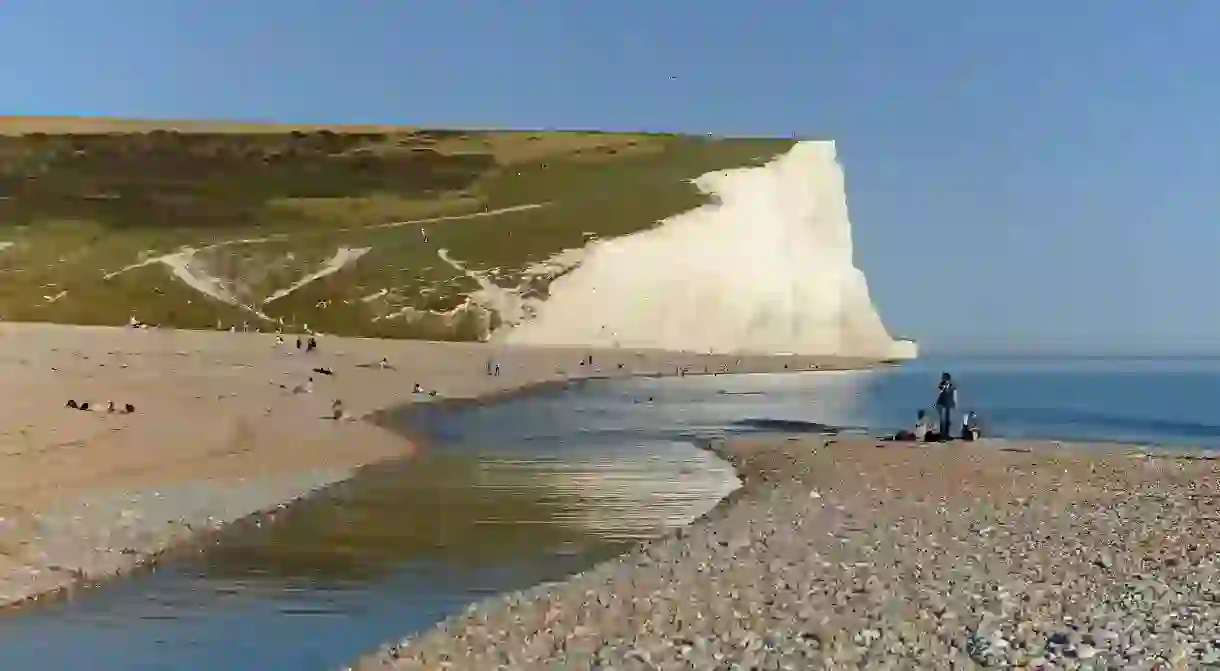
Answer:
(542, 486)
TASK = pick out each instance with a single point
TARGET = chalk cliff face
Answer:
(767, 266)
(521, 236)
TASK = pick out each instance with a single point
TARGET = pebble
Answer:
(830, 558)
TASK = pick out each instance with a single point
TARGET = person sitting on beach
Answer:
(306, 388)
(128, 408)
(418, 389)
(970, 427)
(311, 345)
(72, 404)
(918, 433)
(924, 430)
(109, 406)
(337, 409)
(385, 364)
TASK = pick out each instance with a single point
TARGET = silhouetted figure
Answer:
(311, 345)
(298, 342)
(72, 404)
(128, 408)
(946, 401)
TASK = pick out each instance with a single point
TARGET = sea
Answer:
(543, 485)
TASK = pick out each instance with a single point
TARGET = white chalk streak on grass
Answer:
(342, 257)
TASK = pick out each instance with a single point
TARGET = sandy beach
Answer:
(854, 553)
(225, 425)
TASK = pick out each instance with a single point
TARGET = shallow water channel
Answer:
(508, 495)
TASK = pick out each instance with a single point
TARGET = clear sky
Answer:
(1037, 173)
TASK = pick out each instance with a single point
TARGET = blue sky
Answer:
(1036, 174)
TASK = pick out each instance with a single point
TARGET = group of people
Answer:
(127, 408)
(926, 430)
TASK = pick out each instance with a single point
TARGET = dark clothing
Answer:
(946, 400)
(946, 419)
(946, 395)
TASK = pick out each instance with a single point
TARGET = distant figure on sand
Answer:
(298, 342)
(311, 345)
(946, 401)
(922, 431)
(970, 427)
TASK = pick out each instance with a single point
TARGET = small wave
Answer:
(785, 425)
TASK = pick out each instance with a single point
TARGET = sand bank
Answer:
(218, 432)
(861, 554)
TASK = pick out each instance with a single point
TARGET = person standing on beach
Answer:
(946, 401)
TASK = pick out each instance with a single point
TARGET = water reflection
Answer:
(448, 509)
(512, 494)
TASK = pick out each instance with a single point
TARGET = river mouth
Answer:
(508, 495)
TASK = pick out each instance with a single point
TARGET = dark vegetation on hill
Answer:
(185, 180)
(264, 209)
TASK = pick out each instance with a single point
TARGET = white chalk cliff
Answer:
(766, 266)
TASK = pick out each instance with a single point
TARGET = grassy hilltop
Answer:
(196, 224)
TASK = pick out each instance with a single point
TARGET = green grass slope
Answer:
(198, 226)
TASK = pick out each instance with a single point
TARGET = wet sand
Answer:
(218, 432)
(855, 553)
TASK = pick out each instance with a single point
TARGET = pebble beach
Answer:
(850, 553)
